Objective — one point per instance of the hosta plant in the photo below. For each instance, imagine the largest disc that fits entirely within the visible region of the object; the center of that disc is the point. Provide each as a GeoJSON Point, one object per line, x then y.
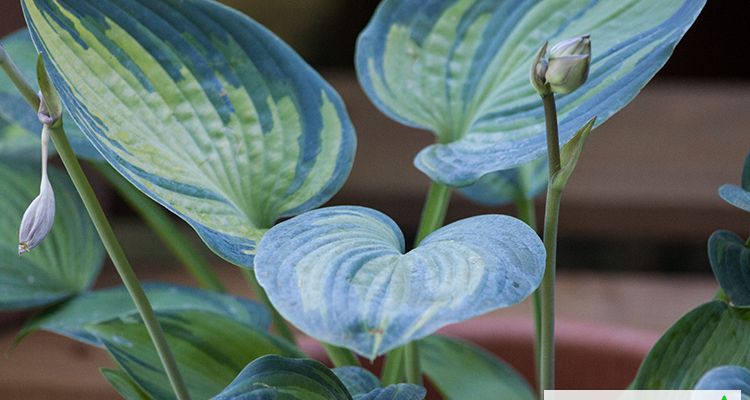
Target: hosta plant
{"type": "Point", "coordinates": [191, 107]}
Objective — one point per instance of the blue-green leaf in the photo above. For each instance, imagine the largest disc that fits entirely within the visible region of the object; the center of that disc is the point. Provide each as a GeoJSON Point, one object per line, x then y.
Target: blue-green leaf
{"type": "Point", "coordinates": [710, 336]}
{"type": "Point", "coordinates": [481, 375]}
{"type": "Point", "coordinates": [274, 377]}
{"type": "Point", "coordinates": [363, 385]}
{"type": "Point", "coordinates": [460, 68]}
{"type": "Point", "coordinates": [71, 318]}
{"type": "Point", "coordinates": [511, 185]}
{"type": "Point", "coordinates": [65, 263]}
{"type": "Point", "coordinates": [124, 385]}
{"type": "Point", "coordinates": [730, 261]}
{"type": "Point", "coordinates": [340, 275]}
{"type": "Point", "coordinates": [210, 350]}
{"type": "Point", "coordinates": [201, 108]}
{"type": "Point", "coordinates": [13, 107]}
{"type": "Point", "coordinates": [739, 196]}
{"type": "Point", "coordinates": [18, 143]}
{"type": "Point", "coordinates": [727, 377]}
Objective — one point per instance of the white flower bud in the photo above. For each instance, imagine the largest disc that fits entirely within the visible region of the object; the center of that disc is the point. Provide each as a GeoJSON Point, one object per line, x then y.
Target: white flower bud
{"type": "Point", "coordinates": [568, 64]}
{"type": "Point", "coordinates": [38, 218]}
{"type": "Point", "coordinates": [538, 70]}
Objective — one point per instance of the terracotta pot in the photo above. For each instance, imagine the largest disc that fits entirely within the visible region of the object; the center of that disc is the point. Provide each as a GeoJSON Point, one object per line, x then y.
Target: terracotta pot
{"type": "Point", "coordinates": [589, 356]}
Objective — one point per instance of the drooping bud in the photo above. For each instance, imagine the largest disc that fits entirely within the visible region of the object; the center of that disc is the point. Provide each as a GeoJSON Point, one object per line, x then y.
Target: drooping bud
{"type": "Point", "coordinates": [39, 216]}
{"type": "Point", "coordinates": [568, 64]}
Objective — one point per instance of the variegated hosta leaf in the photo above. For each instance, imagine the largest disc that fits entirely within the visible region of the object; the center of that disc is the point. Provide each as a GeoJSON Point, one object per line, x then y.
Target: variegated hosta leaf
{"type": "Point", "coordinates": [71, 318]}
{"type": "Point", "coordinates": [13, 107]}
{"type": "Point", "coordinates": [210, 350]}
{"type": "Point", "coordinates": [201, 108]}
{"type": "Point", "coordinates": [340, 275]}
{"type": "Point", "coordinates": [69, 258]}
{"type": "Point", "coordinates": [727, 377]}
{"type": "Point", "coordinates": [274, 377]}
{"type": "Point", "coordinates": [739, 196]}
{"type": "Point", "coordinates": [511, 185]}
{"type": "Point", "coordinates": [460, 68]}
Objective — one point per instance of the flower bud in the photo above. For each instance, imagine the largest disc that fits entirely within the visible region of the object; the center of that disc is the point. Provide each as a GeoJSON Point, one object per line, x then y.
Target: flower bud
{"type": "Point", "coordinates": [568, 64]}
{"type": "Point", "coordinates": [38, 218]}
{"type": "Point", "coordinates": [538, 70]}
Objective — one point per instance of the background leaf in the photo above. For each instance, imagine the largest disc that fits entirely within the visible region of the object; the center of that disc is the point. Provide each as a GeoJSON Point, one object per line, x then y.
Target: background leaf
{"type": "Point", "coordinates": [124, 385]}
{"type": "Point", "coordinates": [481, 375]}
{"type": "Point", "coordinates": [459, 68]}
{"type": "Point", "coordinates": [730, 261]}
{"type": "Point", "coordinates": [728, 377]}
{"type": "Point", "coordinates": [358, 381]}
{"type": "Point", "coordinates": [340, 275]}
{"type": "Point", "coordinates": [210, 350]}
{"type": "Point", "coordinates": [508, 186]}
{"type": "Point", "coordinates": [711, 335]}
{"type": "Point", "coordinates": [274, 377]}
{"type": "Point", "coordinates": [739, 196]}
{"type": "Point", "coordinates": [18, 143]}
{"type": "Point", "coordinates": [65, 263]}
{"type": "Point", "coordinates": [71, 318]}
{"type": "Point", "coordinates": [201, 108]}
{"type": "Point", "coordinates": [14, 109]}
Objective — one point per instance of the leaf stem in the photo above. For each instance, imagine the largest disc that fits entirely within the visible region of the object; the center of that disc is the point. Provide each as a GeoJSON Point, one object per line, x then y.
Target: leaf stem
{"type": "Point", "coordinates": [393, 367]}
{"type": "Point", "coordinates": [339, 356]}
{"type": "Point", "coordinates": [169, 233]}
{"type": "Point", "coordinates": [15, 75]}
{"type": "Point", "coordinates": [119, 260]}
{"type": "Point", "coordinates": [551, 218]}
{"type": "Point", "coordinates": [527, 213]}
{"type": "Point", "coordinates": [279, 323]}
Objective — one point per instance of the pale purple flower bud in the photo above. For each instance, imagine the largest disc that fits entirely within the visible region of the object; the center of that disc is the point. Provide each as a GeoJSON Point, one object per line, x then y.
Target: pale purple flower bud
{"type": "Point", "coordinates": [39, 216]}
{"type": "Point", "coordinates": [568, 64]}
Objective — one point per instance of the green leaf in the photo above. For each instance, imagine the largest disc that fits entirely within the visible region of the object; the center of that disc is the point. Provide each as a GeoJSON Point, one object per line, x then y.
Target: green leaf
{"type": "Point", "coordinates": [710, 336]}
{"type": "Point", "coordinates": [49, 94]}
{"type": "Point", "coordinates": [71, 318]}
{"type": "Point", "coordinates": [199, 107]}
{"type": "Point", "coordinates": [124, 385]}
{"type": "Point", "coordinates": [14, 109]}
{"type": "Point", "coordinates": [17, 142]}
{"type": "Point", "coordinates": [727, 377]}
{"type": "Point", "coordinates": [730, 261]}
{"type": "Point", "coordinates": [570, 153]}
{"type": "Point", "coordinates": [508, 186]}
{"type": "Point", "coordinates": [481, 375]}
{"type": "Point", "coordinates": [341, 275]}
{"type": "Point", "coordinates": [65, 263]}
{"type": "Point", "coordinates": [274, 377]}
{"type": "Point", "coordinates": [460, 68]}
{"type": "Point", "coordinates": [210, 350]}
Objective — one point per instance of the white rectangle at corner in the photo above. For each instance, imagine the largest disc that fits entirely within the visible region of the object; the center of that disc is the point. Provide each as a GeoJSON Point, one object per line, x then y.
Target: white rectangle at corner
{"type": "Point", "coordinates": [642, 395]}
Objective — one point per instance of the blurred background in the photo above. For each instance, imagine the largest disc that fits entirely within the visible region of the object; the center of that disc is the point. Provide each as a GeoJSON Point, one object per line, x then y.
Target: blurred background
{"type": "Point", "coordinates": [638, 211]}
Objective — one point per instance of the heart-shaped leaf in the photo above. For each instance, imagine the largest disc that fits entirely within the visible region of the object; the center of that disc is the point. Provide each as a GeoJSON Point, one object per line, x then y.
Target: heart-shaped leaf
{"type": "Point", "coordinates": [460, 68]}
{"type": "Point", "coordinates": [511, 185]}
{"type": "Point", "coordinates": [209, 348]}
{"type": "Point", "coordinates": [363, 385]}
{"type": "Point", "coordinates": [71, 318]}
{"type": "Point", "coordinates": [13, 107]}
{"type": "Point", "coordinates": [481, 376]}
{"type": "Point", "coordinates": [710, 336]}
{"type": "Point", "coordinates": [201, 108]}
{"type": "Point", "coordinates": [340, 275]}
{"type": "Point", "coordinates": [739, 196]}
{"type": "Point", "coordinates": [68, 259]}
{"type": "Point", "coordinates": [727, 377]}
{"type": "Point", "coordinates": [730, 261]}
{"type": "Point", "coordinates": [274, 377]}
{"type": "Point", "coordinates": [124, 385]}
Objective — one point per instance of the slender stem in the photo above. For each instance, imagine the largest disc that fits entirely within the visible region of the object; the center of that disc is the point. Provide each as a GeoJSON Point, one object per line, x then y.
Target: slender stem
{"type": "Point", "coordinates": [15, 75]}
{"type": "Point", "coordinates": [169, 233]}
{"type": "Point", "coordinates": [547, 288]}
{"type": "Point", "coordinates": [339, 356]}
{"type": "Point", "coordinates": [412, 364]}
{"type": "Point", "coordinates": [278, 321]}
{"type": "Point", "coordinates": [121, 263]}
{"type": "Point", "coordinates": [393, 367]}
{"type": "Point", "coordinates": [434, 210]}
